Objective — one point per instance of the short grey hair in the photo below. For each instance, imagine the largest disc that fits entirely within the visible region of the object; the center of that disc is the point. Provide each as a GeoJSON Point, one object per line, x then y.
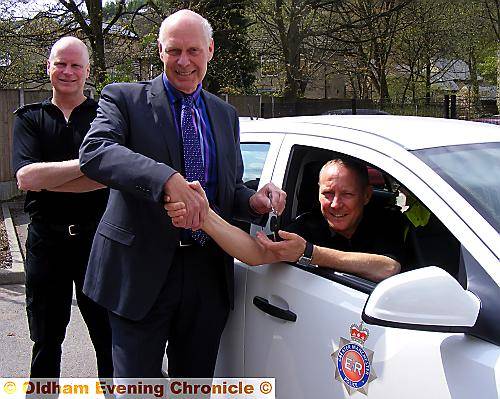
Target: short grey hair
{"type": "Point", "coordinates": [352, 164]}
{"type": "Point", "coordinates": [207, 28]}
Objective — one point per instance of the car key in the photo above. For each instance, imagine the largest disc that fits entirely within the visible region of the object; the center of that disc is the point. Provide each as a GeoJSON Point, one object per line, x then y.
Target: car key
{"type": "Point", "coordinates": [274, 228]}
{"type": "Point", "coordinates": [273, 223]}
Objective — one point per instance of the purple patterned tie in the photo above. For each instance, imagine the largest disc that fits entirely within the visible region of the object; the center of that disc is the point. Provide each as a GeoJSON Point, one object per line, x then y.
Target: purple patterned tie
{"type": "Point", "coordinates": [193, 161]}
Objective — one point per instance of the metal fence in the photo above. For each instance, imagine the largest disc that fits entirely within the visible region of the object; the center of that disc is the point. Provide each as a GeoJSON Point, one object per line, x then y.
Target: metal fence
{"type": "Point", "coordinates": [420, 108]}
{"type": "Point", "coordinates": [274, 107]}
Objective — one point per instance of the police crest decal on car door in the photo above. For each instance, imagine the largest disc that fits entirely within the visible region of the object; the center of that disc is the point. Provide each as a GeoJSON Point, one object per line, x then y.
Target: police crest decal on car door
{"type": "Point", "coordinates": [353, 361]}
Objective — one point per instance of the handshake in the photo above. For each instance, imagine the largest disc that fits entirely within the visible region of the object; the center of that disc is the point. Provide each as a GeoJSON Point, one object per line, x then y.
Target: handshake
{"type": "Point", "coordinates": [178, 211]}
{"type": "Point", "coordinates": [187, 204]}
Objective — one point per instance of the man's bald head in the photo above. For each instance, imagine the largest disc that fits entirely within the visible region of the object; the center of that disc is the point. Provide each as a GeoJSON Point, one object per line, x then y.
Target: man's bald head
{"type": "Point", "coordinates": [185, 15]}
{"type": "Point", "coordinates": [69, 41]}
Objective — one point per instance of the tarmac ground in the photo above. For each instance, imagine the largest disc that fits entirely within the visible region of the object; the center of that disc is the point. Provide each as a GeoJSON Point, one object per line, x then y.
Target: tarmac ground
{"type": "Point", "coordinates": [78, 359]}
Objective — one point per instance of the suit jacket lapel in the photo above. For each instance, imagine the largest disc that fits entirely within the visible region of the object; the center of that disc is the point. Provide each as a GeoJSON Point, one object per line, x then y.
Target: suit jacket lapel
{"type": "Point", "coordinates": [221, 137]}
{"type": "Point", "coordinates": [164, 120]}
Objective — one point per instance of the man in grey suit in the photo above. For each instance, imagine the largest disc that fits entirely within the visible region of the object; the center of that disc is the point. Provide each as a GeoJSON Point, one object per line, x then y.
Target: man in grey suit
{"type": "Point", "coordinates": [159, 282]}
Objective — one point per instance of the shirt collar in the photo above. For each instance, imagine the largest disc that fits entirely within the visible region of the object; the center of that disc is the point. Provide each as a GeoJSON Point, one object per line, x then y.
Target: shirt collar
{"type": "Point", "coordinates": [88, 102]}
{"type": "Point", "coordinates": [175, 95]}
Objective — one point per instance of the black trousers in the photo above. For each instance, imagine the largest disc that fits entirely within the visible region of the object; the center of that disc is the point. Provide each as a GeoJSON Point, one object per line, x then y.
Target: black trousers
{"type": "Point", "coordinates": [54, 261]}
{"type": "Point", "coordinates": [190, 313]}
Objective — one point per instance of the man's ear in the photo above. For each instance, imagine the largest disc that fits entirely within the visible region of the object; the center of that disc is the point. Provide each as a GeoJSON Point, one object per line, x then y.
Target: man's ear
{"type": "Point", "coordinates": [48, 67]}
{"type": "Point", "coordinates": [160, 50]}
{"type": "Point", "coordinates": [368, 193]}
{"type": "Point", "coordinates": [211, 48]}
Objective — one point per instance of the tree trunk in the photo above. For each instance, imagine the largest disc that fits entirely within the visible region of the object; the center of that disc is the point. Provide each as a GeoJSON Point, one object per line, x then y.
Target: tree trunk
{"type": "Point", "coordinates": [498, 77]}
{"type": "Point", "coordinates": [474, 94]}
{"type": "Point", "coordinates": [94, 8]}
{"type": "Point", "coordinates": [385, 98]}
{"type": "Point", "coordinates": [289, 44]}
{"type": "Point", "coordinates": [428, 83]}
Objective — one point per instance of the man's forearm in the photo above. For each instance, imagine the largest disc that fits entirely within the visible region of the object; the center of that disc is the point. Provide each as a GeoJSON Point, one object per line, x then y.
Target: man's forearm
{"type": "Point", "coordinates": [47, 175]}
{"type": "Point", "coordinates": [236, 242]}
{"type": "Point", "coordinates": [370, 266]}
{"type": "Point", "coordinates": [81, 184]}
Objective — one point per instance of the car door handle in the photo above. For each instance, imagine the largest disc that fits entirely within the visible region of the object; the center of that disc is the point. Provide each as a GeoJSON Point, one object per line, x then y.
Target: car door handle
{"type": "Point", "coordinates": [264, 305]}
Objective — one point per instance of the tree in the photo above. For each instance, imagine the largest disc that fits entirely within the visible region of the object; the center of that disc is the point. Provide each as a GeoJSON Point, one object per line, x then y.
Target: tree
{"type": "Point", "coordinates": [354, 36]}
{"type": "Point", "coordinates": [288, 31]}
{"type": "Point", "coordinates": [84, 18]}
{"type": "Point", "coordinates": [23, 45]}
{"type": "Point", "coordinates": [368, 29]}
{"type": "Point", "coordinates": [426, 37]}
{"type": "Point", "coordinates": [233, 66]}
{"type": "Point", "coordinates": [472, 34]}
{"type": "Point", "coordinates": [493, 11]}
{"type": "Point", "coordinates": [91, 25]}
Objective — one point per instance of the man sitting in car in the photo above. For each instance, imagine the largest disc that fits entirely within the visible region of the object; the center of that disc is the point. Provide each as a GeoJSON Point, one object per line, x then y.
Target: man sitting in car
{"type": "Point", "coordinates": [347, 235]}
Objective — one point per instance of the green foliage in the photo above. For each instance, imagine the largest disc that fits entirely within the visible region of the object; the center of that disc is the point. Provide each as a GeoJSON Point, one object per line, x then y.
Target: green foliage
{"type": "Point", "coordinates": [123, 72]}
{"type": "Point", "coordinates": [24, 49]}
{"type": "Point", "coordinates": [109, 9]}
{"type": "Point", "coordinates": [232, 66]}
{"type": "Point", "coordinates": [487, 66]}
{"type": "Point", "coordinates": [488, 69]}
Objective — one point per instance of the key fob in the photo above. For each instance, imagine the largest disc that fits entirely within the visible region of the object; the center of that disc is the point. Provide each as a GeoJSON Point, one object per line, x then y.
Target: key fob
{"type": "Point", "coordinates": [274, 228]}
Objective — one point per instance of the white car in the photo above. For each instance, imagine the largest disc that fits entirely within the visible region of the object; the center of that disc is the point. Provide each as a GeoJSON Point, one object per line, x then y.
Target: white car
{"type": "Point", "coordinates": [432, 331]}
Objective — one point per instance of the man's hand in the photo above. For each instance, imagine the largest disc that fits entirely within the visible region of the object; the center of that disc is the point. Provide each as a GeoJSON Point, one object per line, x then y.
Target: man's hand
{"type": "Point", "coordinates": [268, 198]}
{"type": "Point", "coordinates": [289, 250]}
{"type": "Point", "coordinates": [176, 190]}
{"type": "Point", "coordinates": [176, 211]}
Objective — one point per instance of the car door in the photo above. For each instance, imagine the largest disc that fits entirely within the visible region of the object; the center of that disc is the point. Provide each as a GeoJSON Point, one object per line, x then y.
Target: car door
{"type": "Point", "coordinates": [297, 318]}
{"type": "Point", "coordinates": [259, 152]}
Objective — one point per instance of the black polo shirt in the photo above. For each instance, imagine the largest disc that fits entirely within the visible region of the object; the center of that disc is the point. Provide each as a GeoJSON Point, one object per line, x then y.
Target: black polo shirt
{"type": "Point", "coordinates": [380, 232]}
{"type": "Point", "coordinates": [42, 134]}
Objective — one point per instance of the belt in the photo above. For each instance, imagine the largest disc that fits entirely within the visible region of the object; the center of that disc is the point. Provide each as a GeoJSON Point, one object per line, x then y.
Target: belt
{"type": "Point", "coordinates": [187, 242]}
{"type": "Point", "coordinates": [71, 229]}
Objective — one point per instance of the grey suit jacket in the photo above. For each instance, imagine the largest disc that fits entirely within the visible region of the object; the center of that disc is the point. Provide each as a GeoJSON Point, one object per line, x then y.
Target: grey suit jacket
{"type": "Point", "coordinates": [132, 147]}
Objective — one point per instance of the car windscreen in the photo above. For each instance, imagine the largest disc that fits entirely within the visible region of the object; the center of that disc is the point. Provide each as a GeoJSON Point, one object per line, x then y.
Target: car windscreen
{"type": "Point", "coordinates": [473, 170]}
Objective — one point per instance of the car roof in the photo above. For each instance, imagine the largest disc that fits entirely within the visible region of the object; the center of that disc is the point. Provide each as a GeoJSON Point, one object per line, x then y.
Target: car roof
{"type": "Point", "coordinates": [411, 132]}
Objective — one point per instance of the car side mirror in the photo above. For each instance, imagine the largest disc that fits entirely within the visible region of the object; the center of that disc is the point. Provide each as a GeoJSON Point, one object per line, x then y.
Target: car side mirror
{"type": "Point", "coordinates": [424, 299]}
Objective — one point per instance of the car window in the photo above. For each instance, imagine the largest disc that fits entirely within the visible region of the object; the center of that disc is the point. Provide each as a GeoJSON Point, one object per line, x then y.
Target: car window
{"type": "Point", "coordinates": [425, 240]}
{"type": "Point", "coordinates": [473, 171]}
{"type": "Point", "coordinates": [254, 157]}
